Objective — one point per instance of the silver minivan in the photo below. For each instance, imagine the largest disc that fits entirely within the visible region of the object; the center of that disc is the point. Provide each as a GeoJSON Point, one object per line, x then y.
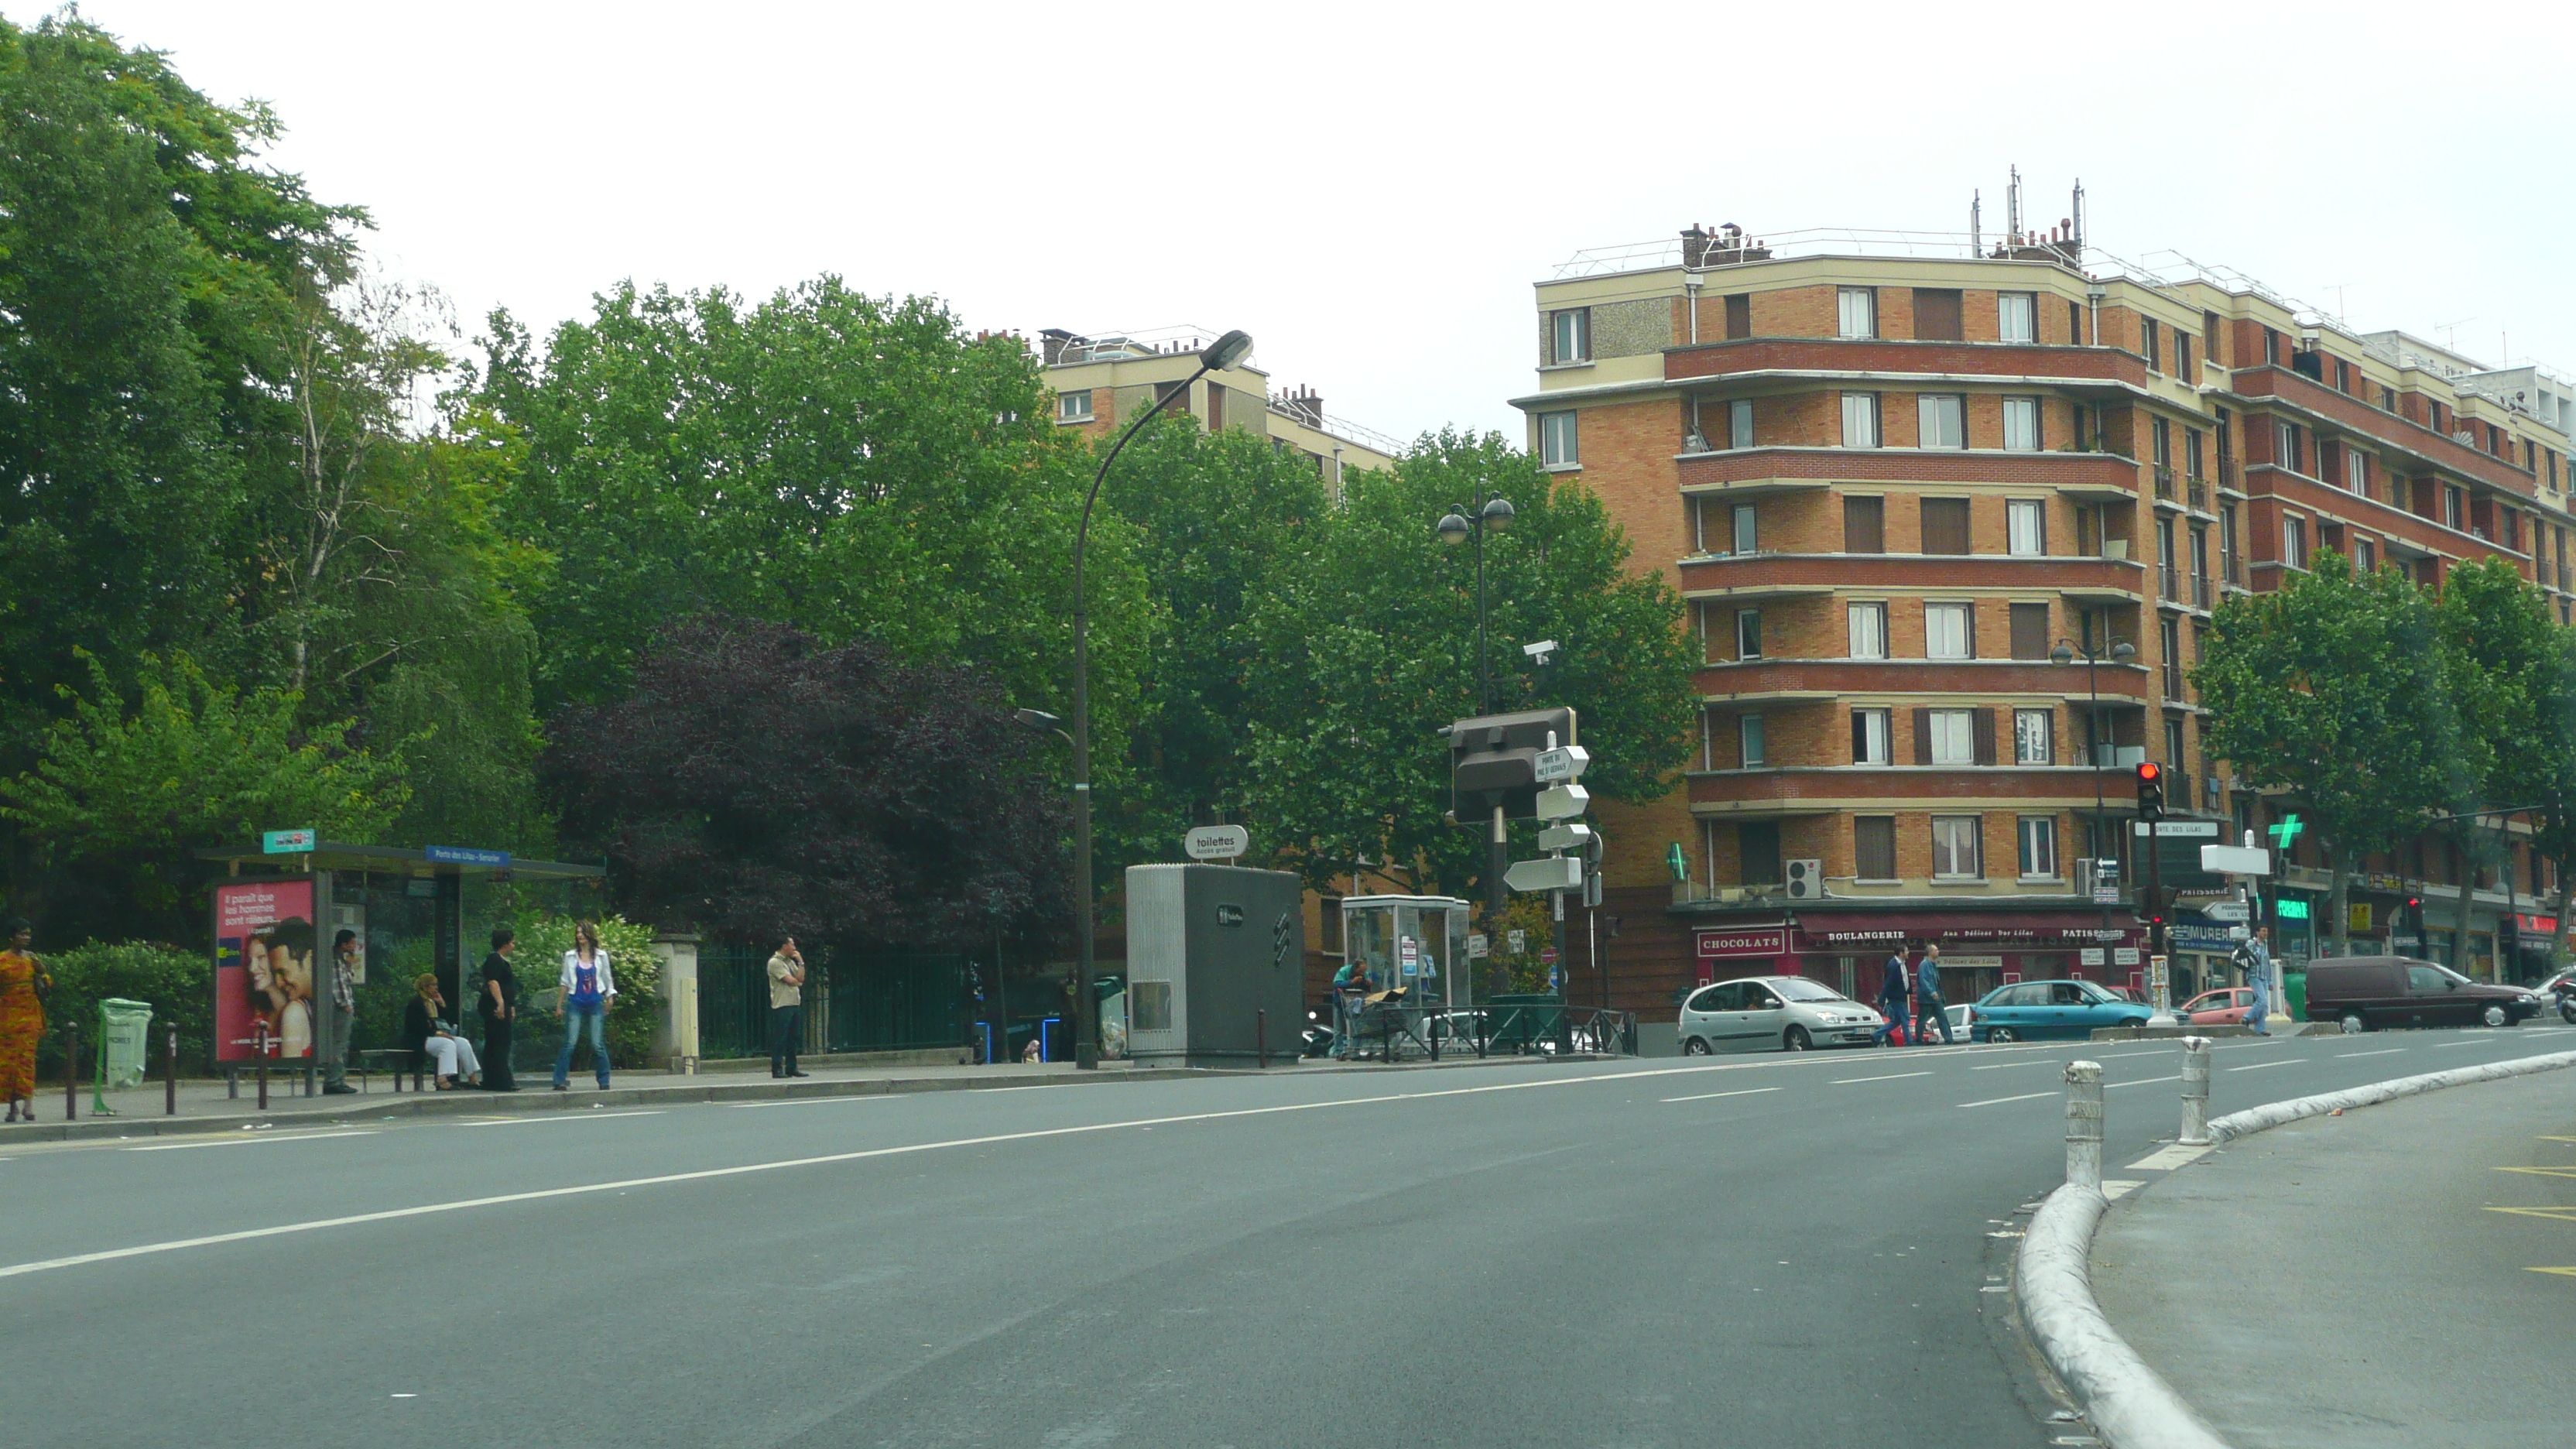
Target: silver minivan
{"type": "Point", "coordinates": [1773, 1013]}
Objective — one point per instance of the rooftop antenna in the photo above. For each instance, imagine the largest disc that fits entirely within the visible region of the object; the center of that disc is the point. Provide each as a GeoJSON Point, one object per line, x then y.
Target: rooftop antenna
{"type": "Point", "coordinates": [2451, 332]}
{"type": "Point", "coordinates": [2012, 208]}
{"type": "Point", "coordinates": [2078, 238]}
{"type": "Point", "coordinates": [1976, 225]}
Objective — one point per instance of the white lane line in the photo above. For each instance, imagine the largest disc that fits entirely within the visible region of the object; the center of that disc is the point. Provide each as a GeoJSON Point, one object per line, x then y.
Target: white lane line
{"type": "Point", "coordinates": [1999, 1066]}
{"type": "Point", "coordinates": [838, 1101]}
{"type": "Point", "coordinates": [2382, 1052]}
{"type": "Point", "coordinates": [1739, 1092]}
{"type": "Point", "coordinates": [141, 1250]}
{"type": "Point", "coordinates": [561, 1117]}
{"type": "Point", "coordinates": [2123, 1056]}
{"type": "Point", "coordinates": [2147, 1081]}
{"type": "Point", "coordinates": [1999, 1101]}
{"type": "Point", "coordinates": [2258, 1066]}
{"type": "Point", "coordinates": [246, 1139]}
{"type": "Point", "coordinates": [2473, 1041]}
{"type": "Point", "coordinates": [1892, 1077]}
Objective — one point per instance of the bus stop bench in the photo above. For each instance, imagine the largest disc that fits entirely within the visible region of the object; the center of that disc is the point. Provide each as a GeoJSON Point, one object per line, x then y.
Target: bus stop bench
{"type": "Point", "coordinates": [391, 1060]}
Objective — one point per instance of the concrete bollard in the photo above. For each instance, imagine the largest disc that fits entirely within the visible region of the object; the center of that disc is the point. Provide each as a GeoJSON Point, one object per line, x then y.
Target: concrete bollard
{"type": "Point", "coordinates": [2084, 1124]}
{"type": "Point", "coordinates": [2195, 1092]}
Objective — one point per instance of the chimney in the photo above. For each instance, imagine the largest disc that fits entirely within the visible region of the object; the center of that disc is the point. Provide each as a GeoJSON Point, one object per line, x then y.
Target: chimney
{"type": "Point", "coordinates": [1052, 343]}
{"type": "Point", "coordinates": [1694, 246]}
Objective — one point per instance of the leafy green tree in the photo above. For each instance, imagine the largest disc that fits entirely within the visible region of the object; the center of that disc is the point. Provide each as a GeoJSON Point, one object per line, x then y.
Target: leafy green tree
{"type": "Point", "coordinates": [2332, 689]}
{"type": "Point", "coordinates": [1372, 648]}
{"type": "Point", "coordinates": [2497, 646]}
{"type": "Point", "coordinates": [850, 465]}
{"type": "Point", "coordinates": [125, 797]}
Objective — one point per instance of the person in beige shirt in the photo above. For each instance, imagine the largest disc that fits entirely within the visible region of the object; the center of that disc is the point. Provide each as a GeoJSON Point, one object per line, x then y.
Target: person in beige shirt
{"type": "Point", "coordinates": [786, 1008]}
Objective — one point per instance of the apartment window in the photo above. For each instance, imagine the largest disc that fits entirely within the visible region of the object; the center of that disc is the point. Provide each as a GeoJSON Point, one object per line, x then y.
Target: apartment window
{"type": "Point", "coordinates": [2038, 847]}
{"type": "Point", "coordinates": [1946, 633]}
{"type": "Point", "coordinates": [2182, 354]}
{"type": "Point", "coordinates": [1860, 420]}
{"type": "Point", "coordinates": [1739, 316]}
{"type": "Point", "coordinates": [2160, 438]}
{"type": "Point", "coordinates": [1573, 335]}
{"type": "Point", "coordinates": [1953, 735]}
{"type": "Point", "coordinates": [2034, 737]}
{"type": "Point", "coordinates": [2191, 453]}
{"type": "Point", "coordinates": [1864, 525]}
{"type": "Point", "coordinates": [2209, 335]}
{"type": "Point", "coordinates": [1945, 526]}
{"type": "Point", "coordinates": [2366, 554]}
{"type": "Point", "coordinates": [2356, 472]}
{"type": "Point", "coordinates": [1936, 315]}
{"type": "Point", "coordinates": [1073, 406]}
{"type": "Point", "coordinates": [1874, 847]}
{"type": "Point", "coordinates": [2173, 744]}
{"type": "Point", "coordinates": [2294, 542]}
{"type": "Point", "coordinates": [2271, 347]}
{"type": "Point", "coordinates": [1955, 848]}
{"type": "Point", "coordinates": [1859, 311]}
{"type": "Point", "coordinates": [2016, 316]}
{"type": "Point", "coordinates": [1747, 537]}
{"type": "Point", "coordinates": [1748, 741]}
{"type": "Point", "coordinates": [2029, 631]}
{"type": "Point", "coordinates": [2388, 399]}
{"type": "Point", "coordinates": [2021, 424]}
{"type": "Point", "coordinates": [1557, 447]}
{"type": "Point", "coordinates": [1748, 633]}
{"type": "Point", "coordinates": [1739, 423]}
{"type": "Point", "coordinates": [1941, 421]}
{"type": "Point", "coordinates": [1757, 852]}
{"type": "Point", "coordinates": [1869, 737]}
{"type": "Point", "coordinates": [2147, 344]}
{"type": "Point", "coordinates": [1868, 624]}
{"type": "Point", "coordinates": [2343, 376]}
{"type": "Point", "coordinates": [2455, 506]}
{"type": "Point", "coordinates": [2285, 446]}
{"type": "Point", "coordinates": [2026, 526]}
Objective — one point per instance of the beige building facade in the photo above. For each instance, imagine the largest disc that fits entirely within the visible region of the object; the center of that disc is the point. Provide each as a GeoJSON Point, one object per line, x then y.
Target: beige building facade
{"type": "Point", "coordinates": [1103, 382]}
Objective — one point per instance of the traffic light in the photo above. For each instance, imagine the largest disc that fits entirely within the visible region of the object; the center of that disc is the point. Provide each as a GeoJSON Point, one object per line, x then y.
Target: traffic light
{"type": "Point", "coordinates": [1493, 760]}
{"type": "Point", "coordinates": [2151, 790]}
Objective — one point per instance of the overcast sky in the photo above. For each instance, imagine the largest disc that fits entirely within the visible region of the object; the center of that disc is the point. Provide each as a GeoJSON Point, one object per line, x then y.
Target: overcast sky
{"type": "Point", "coordinates": [1371, 189]}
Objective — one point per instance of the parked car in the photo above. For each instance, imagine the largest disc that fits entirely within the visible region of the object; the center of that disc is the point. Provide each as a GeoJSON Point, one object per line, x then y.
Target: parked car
{"type": "Point", "coordinates": [1961, 1018]}
{"type": "Point", "coordinates": [2365, 993]}
{"type": "Point", "coordinates": [2040, 1010]}
{"type": "Point", "coordinates": [2225, 1007]}
{"type": "Point", "coordinates": [1772, 1013]}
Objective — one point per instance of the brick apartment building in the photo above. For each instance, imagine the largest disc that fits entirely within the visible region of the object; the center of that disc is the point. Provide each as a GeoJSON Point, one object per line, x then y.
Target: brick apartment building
{"type": "Point", "coordinates": [1101, 381]}
{"type": "Point", "coordinates": [1889, 486]}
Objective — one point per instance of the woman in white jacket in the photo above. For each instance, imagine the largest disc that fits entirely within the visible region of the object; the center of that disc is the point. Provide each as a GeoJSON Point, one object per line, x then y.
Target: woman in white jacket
{"type": "Point", "coordinates": [587, 988]}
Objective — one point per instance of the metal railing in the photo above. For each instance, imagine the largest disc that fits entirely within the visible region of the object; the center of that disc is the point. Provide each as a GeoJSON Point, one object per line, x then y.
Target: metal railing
{"type": "Point", "coordinates": [2200, 591]}
{"type": "Point", "coordinates": [2164, 483]}
{"type": "Point", "coordinates": [854, 1001]}
{"type": "Point", "coordinates": [2173, 682]}
{"type": "Point", "coordinates": [2230, 475]}
{"type": "Point", "coordinates": [2196, 494]}
{"type": "Point", "coordinates": [2231, 567]}
{"type": "Point", "coordinates": [1504, 1028]}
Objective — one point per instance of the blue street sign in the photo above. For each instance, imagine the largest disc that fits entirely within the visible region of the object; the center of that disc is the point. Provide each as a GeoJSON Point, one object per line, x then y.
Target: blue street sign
{"type": "Point", "coordinates": [467, 855]}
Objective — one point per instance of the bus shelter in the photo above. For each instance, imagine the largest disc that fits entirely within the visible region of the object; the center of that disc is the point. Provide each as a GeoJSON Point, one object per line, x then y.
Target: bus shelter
{"type": "Point", "coordinates": [277, 914]}
{"type": "Point", "coordinates": [1418, 943]}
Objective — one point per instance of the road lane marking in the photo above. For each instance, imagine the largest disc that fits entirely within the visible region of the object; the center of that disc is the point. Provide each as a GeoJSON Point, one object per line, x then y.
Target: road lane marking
{"type": "Point", "coordinates": [837, 1101]}
{"type": "Point", "coordinates": [2146, 1081]}
{"type": "Point", "coordinates": [140, 1250]}
{"type": "Point", "coordinates": [2258, 1066]}
{"type": "Point", "coordinates": [2558, 1214]}
{"type": "Point", "coordinates": [2562, 1272]}
{"type": "Point", "coordinates": [1739, 1092]}
{"type": "Point", "coordinates": [1893, 1077]}
{"type": "Point", "coordinates": [1999, 1101]}
{"type": "Point", "coordinates": [1999, 1066]}
{"type": "Point", "coordinates": [2171, 1156]}
{"type": "Point", "coordinates": [2122, 1056]}
{"type": "Point", "coordinates": [2542, 1171]}
{"type": "Point", "coordinates": [246, 1139]}
{"type": "Point", "coordinates": [561, 1117]}
{"type": "Point", "coordinates": [2382, 1052]}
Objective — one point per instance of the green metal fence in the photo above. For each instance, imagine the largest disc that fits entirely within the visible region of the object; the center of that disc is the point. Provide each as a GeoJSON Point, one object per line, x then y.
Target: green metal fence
{"type": "Point", "coordinates": [855, 1001]}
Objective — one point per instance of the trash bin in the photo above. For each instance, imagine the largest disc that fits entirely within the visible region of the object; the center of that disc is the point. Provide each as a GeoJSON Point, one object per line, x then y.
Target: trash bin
{"type": "Point", "coordinates": [2294, 994]}
{"type": "Point", "coordinates": [124, 1048]}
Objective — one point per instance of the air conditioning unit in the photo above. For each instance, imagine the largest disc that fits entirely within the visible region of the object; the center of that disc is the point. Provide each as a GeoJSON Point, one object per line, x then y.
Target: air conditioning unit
{"type": "Point", "coordinates": [1806, 880]}
{"type": "Point", "coordinates": [1730, 894]}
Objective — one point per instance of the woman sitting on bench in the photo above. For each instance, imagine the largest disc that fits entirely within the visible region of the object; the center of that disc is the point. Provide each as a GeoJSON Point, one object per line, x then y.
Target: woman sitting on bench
{"type": "Point", "coordinates": [435, 1040]}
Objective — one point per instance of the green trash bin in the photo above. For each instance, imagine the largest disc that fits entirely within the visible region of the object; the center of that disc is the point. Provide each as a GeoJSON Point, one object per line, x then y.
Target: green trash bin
{"type": "Point", "coordinates": [124, 1048]}
{"type": "Point", "coordinates": [2294, 994]}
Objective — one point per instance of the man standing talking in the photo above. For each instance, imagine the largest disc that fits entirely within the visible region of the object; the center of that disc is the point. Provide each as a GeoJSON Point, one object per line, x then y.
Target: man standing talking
{"type": "Point", "coordinates": [1927, 997]}
{"type": "Point", "coordinates": [337, 1010]}
{"type": "Point", "coordinates": [786, 1008]}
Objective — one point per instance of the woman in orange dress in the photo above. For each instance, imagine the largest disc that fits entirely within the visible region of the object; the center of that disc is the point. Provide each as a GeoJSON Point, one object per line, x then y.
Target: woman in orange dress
{"type": "Point", "coordinates": [22, 1021]}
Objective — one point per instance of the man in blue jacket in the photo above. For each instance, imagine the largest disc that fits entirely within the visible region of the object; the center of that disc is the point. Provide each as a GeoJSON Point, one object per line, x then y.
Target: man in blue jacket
{"type": "Point", "coordinates": [1927, 997]}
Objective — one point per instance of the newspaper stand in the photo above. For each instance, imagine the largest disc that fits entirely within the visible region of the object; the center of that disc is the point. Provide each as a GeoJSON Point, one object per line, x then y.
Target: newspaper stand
{"type": "Point", "coordinates": [124, 1046]}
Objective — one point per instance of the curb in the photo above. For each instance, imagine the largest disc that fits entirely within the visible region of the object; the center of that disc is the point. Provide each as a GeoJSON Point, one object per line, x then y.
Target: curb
{"type": "Point", "coordinates": [2127, 1401]}
{"type": "Point", "coordinates": [2130, 1403]}
{"type": "Point", "coordinates": [2274, 1114]}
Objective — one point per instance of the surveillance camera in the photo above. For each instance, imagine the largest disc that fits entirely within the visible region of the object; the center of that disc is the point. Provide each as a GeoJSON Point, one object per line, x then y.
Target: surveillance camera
{"type": "Point", "coordinates": [1539, 651]}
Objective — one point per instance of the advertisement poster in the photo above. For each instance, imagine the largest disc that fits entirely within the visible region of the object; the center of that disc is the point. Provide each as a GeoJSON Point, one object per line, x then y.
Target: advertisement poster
{"type": "Point", "coordinates": [264, 950]}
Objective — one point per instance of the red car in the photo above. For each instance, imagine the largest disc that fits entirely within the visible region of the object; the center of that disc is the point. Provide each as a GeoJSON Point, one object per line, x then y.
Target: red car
{"type": "Point", "coordinates": [2217, 1008]}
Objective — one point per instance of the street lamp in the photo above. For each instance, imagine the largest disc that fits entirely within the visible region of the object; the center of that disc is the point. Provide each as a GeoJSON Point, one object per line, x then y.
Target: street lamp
{"type": "Point", "coordinates": [1496, 515]}
{"type": "Point", "coordinates": [1223, 353]}
{"type": "Point", "coordinates": [2121, 652]}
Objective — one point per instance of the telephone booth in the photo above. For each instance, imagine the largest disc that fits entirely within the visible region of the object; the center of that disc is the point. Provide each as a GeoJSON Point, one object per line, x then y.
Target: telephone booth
{"type": "Point", "coordinates": [1416, 942]}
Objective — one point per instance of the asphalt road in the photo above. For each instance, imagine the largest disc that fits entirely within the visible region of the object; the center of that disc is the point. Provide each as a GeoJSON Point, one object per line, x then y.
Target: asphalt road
{"type": "Point", "coordinates": [1750, 1250]}
{"type": "Point", "coordinates": [2416, 1263]}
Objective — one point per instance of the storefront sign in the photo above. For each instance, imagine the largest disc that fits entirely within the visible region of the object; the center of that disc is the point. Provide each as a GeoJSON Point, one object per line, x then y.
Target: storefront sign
{"type": "Point", "coordinates": [2536, 925]}
{"type": "Point", "coordinates": [1757, 941]}
{"type": "Point", "coordinates": [2124, 955]}
{"type": "Point", "coordinates": [1855, 932]}
{"type": "Point", "coordinates": [2090, 956]}
{"type": "Point", "coordinates": [2357, 916]}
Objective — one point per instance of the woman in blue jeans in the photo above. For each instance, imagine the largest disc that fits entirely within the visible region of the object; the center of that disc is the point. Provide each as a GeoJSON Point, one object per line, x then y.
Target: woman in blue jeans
{"type": "Point", "coordinates": [587, 988]}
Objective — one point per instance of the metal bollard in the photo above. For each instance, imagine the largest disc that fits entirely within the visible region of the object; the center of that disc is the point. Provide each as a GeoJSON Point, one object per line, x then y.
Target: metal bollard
{"type": "Point", "coordinates": [1261, 1035]}
{"type": "Point", "coordinates": [170, 1079]}
{"type": "Point", "coordinates": [2084, 1124]}
{"type": "Point", "coordinates": [71, 1069]}
{"type": "Point", "coordinates": [2195, 1091]}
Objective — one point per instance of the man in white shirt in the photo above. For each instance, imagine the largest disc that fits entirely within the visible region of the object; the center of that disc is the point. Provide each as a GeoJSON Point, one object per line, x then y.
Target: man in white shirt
{"type": "Point", "coordinates": [786, 1008]}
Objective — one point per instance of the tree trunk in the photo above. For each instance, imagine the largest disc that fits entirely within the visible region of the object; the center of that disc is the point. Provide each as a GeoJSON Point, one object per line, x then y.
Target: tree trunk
{"type": "Point", "coordinates": [2336, 915]}
{"type": "Point", "coordinates": [2464, 866]}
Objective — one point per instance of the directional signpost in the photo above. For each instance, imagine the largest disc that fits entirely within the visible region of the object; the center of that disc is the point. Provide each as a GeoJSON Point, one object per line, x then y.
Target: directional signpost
{"type": "Point", "coordinates": [1548, 873]}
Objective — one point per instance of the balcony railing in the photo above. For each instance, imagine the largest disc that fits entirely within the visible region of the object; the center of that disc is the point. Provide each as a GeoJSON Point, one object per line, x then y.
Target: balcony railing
{"type": "Point", "coordinates": [2169, 582]}
{"type": "Point", "coordinates": [2164, 483]}
{"type": "Point", "coordinates": [2230, 476]}
{"type": "Point", "coordinates": [2563, 576]}
{"type": "Point", "coordinates": [2231, 567]}
{"type": "Point", "coordinates": [2196, 494]}
{"type": "Point", "coordinates": [2200, 591]}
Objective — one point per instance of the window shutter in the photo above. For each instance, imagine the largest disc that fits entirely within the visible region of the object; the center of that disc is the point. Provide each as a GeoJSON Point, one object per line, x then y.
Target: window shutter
{"type": "Point", "coordinates": [1864, 525]}
{"type": "Point", "coordinates": [2029, 631]}
{"type": "Point", "coordinates": [2050, 730]}
{"type": "Point", "coordinates": [1971, 612]}
{"type": "Point", "coordinates": [1739, 316]}
{"type": "Point", "coordinates": [1936, 315]}
{"type": "Point", "coordinates": [1982, 727]}
{"type": "Point", "coordinates": [1923, 736]}
{"type": "Point", "coordinates": [1977, 833]}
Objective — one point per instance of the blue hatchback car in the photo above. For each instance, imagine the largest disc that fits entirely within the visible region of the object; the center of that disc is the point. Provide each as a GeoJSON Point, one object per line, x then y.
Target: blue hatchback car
{"type": "Point", "coordinates": [2041, 1010]}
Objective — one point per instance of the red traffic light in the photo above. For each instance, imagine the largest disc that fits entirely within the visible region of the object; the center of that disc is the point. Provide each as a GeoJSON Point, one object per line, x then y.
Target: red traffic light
{"type": "Point", "coordinates": [2148, 771]}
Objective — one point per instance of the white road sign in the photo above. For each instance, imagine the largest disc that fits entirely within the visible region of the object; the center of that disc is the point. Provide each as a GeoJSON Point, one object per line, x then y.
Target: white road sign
{"type": "Point", "coordinates": [1217, 842]}
{"type": "Point", "coordinates": [1551, 873]}
{"type": "Point", "coordinates": [1568, 763]}
{"type": "Point", "coordinates": [1563, 802]}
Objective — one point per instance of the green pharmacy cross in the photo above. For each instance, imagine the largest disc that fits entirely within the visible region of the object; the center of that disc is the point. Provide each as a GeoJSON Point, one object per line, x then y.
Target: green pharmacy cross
{"type": "Point", "coordinates": [2286, 832]}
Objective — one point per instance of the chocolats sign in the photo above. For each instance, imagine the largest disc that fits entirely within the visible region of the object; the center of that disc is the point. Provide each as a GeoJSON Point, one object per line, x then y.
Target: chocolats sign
{"type": "Point", "coordinates": [1759, 941]}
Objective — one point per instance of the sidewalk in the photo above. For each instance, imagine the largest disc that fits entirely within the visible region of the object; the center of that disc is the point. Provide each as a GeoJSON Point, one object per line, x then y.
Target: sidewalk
{"type": "Point", "coordinates": [204, 1106]}
{"type": "Point", "coordinates": [2364, 1280]}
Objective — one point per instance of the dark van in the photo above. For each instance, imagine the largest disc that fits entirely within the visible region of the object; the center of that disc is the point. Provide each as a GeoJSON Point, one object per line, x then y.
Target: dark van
{"type": "Point", "coordinates": [2365, 993]}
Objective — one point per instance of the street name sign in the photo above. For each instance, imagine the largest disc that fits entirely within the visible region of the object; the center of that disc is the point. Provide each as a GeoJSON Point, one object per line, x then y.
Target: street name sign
{"type": "Point", "coordinates": [1556, 766]}
{"type": "Point", "coordinates": [1549, 873]}
{"type": "Point", "coordinates": [286, 842]}
{"type": "Point", "coordinates": [1217, 842]}
{"type": "Point", "coordinates": [467, 855]}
